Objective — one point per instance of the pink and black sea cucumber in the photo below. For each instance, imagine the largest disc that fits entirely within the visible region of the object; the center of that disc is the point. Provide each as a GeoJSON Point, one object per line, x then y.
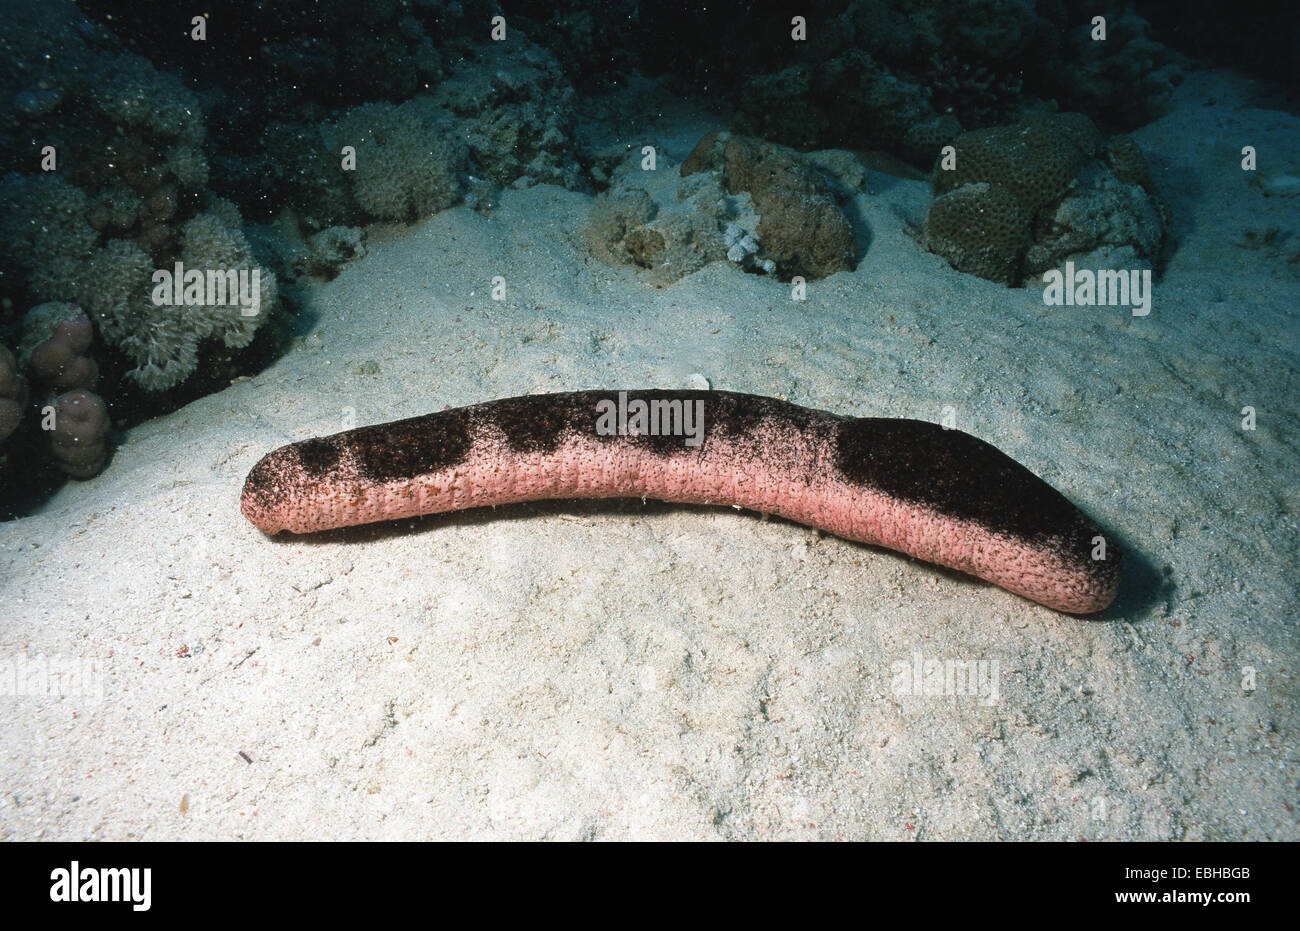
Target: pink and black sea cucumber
{"type": "Point", "coordinates": [937, 494]}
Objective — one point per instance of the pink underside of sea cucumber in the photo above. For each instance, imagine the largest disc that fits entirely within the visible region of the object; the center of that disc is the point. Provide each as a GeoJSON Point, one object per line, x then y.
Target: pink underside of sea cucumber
{"type": "Point", "coordinates": [781, 460]}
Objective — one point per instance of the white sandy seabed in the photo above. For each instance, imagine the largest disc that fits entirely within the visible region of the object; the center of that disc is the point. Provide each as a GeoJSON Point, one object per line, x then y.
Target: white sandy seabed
{"type": "Point", "coordinates": [620, 670]}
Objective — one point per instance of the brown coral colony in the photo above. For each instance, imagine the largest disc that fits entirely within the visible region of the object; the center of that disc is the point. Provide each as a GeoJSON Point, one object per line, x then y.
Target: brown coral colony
{"type": "Point", "coordinates": [1002, 197]}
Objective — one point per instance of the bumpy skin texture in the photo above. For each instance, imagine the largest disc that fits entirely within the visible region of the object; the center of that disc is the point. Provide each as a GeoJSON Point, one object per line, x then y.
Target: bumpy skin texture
{"type": "Point", "coordinates": [939, 495]}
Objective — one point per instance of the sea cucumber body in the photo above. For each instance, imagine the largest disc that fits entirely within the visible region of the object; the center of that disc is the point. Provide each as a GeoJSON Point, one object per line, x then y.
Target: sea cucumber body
{"type": "Point", "coordinates": [939, 495]}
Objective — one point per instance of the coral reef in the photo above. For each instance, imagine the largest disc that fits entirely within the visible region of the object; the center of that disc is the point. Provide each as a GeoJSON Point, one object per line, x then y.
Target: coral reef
{"type": "Point", "coordinates": [1130, 166]}
{"type": "Point", "coordinates": [126, 195]}
{"type": "Point", "coordinates": [1022, 199]}
{"type": "Point", "coordinates": [922, 141]}
{"type": "Point", "coordinates": [518, 114]}
{"type": "Point", "coordinates": [299, 257]}
{"type": "Point", "coordinates": [897, 74]}
{"type": "Point", "coordinates": [615, 230]}
{"type": "Point", "coordinates": [55, 351]}
{"type": "Point", "coordinates": [979, 228]}
{"type": "Point", "coordinates": [802, 229]}
{"type": "Point", "coordinates": [581, 34]}
{"type": "Point", "coordinates": [408, 165]}
{"type": "Point", "coordinates": [503, 116]}
{"type": "Point", "coordinates": [328, 250]}
{"type": "Point", "coordinates": [671, 240]}
{"type": "Point", "coordinates": [438, 115]}
{"type": "Point", "coordinates": [1127, 78]}
{"type": "Point", "coordinates": [55, 346]}
{"type": "Point", "coordinates": [79, 440]}
{"type": "Point", "coordinates": [59, 256]}
{"type": "Point", "coordinates": [764, 208]}
{"type": "Point", "coordinates": [1036, 160]}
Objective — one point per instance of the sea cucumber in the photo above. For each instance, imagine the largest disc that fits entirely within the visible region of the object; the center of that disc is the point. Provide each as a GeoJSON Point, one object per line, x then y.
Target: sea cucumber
{"type": "Point", "coordinates": [936, 494]}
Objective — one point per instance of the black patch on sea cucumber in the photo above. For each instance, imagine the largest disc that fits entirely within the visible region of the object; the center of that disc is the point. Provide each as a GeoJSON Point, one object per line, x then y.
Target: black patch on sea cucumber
{"type": "Point", "coordinates": [269, 481]}
{"type": "Point", "coordinates": [763, 426]}
{"type": "Point", "coordinates": [667, 445]}
{"type": "Point", "coordinates": [318, 456]}
{"type": "Point", "coordinates": [962, 476]}
{"type": "Point", "coordinates": [540, 422]}
{"type": "Point", "coordinates": [401, 450]}
{"type": "Point", "coordinates": [739, 415]}
{"type": "Point", "coordinates": [535, 423]}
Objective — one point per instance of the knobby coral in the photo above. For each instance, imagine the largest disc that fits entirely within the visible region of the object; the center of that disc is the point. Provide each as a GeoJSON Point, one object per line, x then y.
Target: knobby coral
{"type": "Point", "coordinates": [1017, 200]}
